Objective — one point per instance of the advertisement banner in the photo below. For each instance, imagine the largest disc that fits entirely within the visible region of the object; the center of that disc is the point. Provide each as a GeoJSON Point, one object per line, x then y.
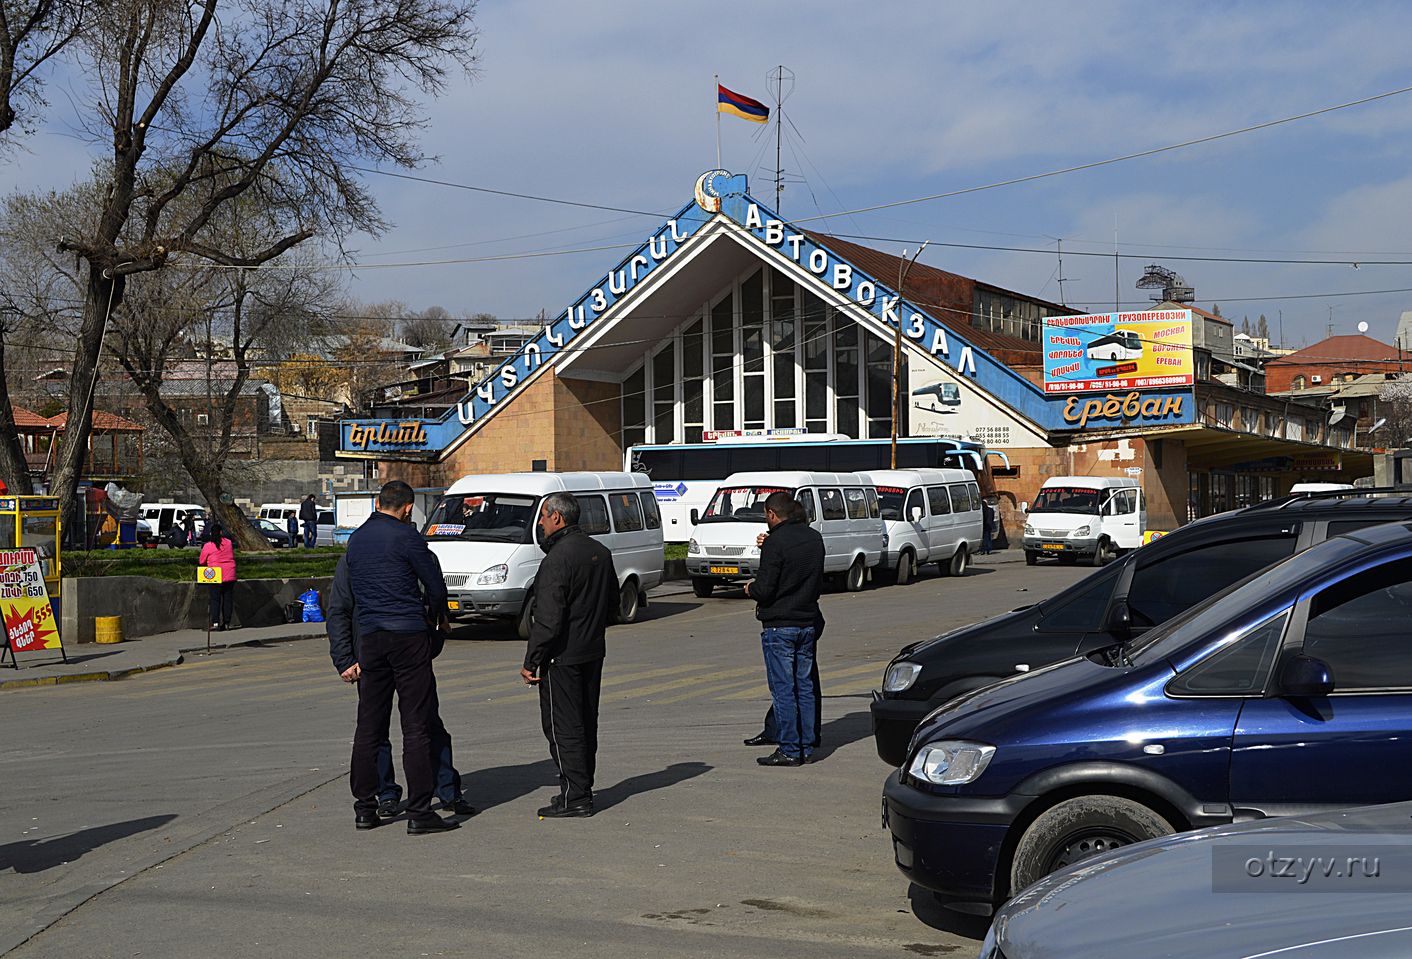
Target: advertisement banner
{"type": "Point", "coordinates": [24, 600]}
{"type": "Point", "coordinates": [1332, 460]}
{"type": "Point", "coordinates": [947, 406]}
{"type": "Point", "coordinates": [1118, 351]}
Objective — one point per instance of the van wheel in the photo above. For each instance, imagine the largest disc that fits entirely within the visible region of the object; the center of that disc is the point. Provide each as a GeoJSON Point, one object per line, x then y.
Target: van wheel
{"type": "Point", "coordinates": [702, 587]}
{"type": "Point", "coordinates": [526, 621]}
{"type": "Point", "coordinates": [1101, 554]}
{"type": "Point", "coordinates": [1031, 557]}
{"type": "Point", "coordinates": [627, 603]}
{"type": "Point", "coordinates": [906, 566]}
{"type": "Point", "coordinates": [854, 582]}
{"type": "Point", "coordinates": [1077, 829]}
{"type": "Point", "coordinates": [958, 563]}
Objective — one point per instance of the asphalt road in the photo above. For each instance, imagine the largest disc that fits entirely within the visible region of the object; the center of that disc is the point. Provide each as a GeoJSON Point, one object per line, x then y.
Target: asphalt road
{"type": "Point", "coordinates": [204, 809]}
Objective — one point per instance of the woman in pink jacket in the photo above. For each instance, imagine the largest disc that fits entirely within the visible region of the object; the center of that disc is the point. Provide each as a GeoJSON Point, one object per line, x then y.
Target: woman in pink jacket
{"type": "Point", "coordinates": [219, 551]}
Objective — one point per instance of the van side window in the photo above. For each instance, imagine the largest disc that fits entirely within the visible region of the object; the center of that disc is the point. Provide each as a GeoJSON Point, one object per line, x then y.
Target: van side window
{"type": "Point", "coordinates": [651, 510]}
{"type": "Point", "coordinates": [975, 492]}
{"type": "Point", "coordinates": [857, 503]}
{"type": "Point", "coordinates": [874, 509]}
{"type": "Point", "coordinates": [831, 504]}
{"type": "Point", "coordinates": [593, 514]}
{"type": "Point", "coordinates": [939, 501]}
{"type": "Point", "coordinates": [806, 498]}
{"type": "Point", "coordinates": [960, 499]}
{"type": "Point", "coordinates": [914, 502]}
{"type": "Point", "coordinates": [1125, 501]}
{"type": "Point", "coordinates": [627, 512]}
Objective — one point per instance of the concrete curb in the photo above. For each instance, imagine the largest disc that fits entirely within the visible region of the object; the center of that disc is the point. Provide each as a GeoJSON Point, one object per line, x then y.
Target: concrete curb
{"type": "Point", "coordinates": [268, 641]}
{"type": "Point", "coordinates": [102, 676]}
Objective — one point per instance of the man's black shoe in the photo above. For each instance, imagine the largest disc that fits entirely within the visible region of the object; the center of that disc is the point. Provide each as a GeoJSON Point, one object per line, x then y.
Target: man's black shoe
{"type": "Point", "coordinates": [459, 807]}
{"type": "Point", "coordinates": [558, 809]}
{"type": "Point", "coordinates": [423, 827]}
{"type": "Point", "coordinates": [778, 758]}
{"type": "Point", "coordinates": [760, 740]}
{"type": "Point", "coordinates": [388, 808]}
{"type": "Point", "coordinates": [366, 821]}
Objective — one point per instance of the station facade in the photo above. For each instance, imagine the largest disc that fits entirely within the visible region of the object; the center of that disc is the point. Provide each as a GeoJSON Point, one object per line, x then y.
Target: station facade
{"type": "Point", "coordinates": [729, 320]}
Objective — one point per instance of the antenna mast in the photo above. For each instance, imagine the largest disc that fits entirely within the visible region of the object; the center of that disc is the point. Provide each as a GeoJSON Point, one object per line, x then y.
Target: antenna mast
{"type": "Point", "coordinates": [781, 81]}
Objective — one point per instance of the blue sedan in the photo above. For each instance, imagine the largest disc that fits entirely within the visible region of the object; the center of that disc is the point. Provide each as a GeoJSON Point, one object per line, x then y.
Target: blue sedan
{"type": "Point", "coordinates": [1288, 693]}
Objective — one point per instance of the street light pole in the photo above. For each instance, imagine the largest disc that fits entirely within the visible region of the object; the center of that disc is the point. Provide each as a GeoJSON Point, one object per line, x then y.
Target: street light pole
{"type": "Point", "coordinates": [903, 269]}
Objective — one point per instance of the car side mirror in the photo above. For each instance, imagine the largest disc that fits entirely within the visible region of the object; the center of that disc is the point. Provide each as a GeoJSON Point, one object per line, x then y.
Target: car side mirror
{"type": "Point", "coordinates": [1120, 619]}
{"type": "Point", "coordinates": [1306, 676]}
{"type": "Point", "coordinates": [916, 514]}
{"type": "Point", "coordinates": [695, 517]}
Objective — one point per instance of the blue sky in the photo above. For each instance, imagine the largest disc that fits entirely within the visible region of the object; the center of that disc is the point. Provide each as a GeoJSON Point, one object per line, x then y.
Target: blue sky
{"type": "Point", "coordinates": [612, 103]}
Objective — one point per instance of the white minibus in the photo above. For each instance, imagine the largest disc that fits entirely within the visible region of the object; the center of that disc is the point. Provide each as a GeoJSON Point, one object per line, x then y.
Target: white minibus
{"type": "Point", "coordinates": [932, 516]}
{"type": "Point", "coordinates": [1093, 518]}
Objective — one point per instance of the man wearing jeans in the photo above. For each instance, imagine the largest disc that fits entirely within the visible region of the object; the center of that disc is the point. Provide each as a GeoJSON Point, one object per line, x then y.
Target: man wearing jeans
{"type": "Point", "coordinates": [786, 593]}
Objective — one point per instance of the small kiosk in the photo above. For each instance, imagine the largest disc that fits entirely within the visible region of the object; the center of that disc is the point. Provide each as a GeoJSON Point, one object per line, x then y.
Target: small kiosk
{"type": "Point", "coordinates": [30, 573]}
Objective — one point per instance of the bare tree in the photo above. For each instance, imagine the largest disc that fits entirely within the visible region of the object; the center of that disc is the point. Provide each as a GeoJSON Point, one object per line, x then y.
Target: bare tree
{"type": "Point", "coordinates": [31, 34]}
{"type": "Point", "coordinates": [429, 330]}
{"type": "Point", "coordinates": [275, 101]}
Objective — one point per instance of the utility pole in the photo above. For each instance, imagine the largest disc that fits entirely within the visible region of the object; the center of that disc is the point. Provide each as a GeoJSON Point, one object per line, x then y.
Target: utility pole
{"type": "Point", "coordinates": [776, 81]}
{"type": "Point", "coordinates": [902, 270]}
{"type": "Point", "coordinates": [1117, 307]}
{"type": "Point", "coordinates": [1060, 244]}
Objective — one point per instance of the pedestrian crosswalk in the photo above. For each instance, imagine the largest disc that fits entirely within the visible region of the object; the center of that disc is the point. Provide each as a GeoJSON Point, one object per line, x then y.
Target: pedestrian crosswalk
{"type": "Point", "coordinates": [278, 675]}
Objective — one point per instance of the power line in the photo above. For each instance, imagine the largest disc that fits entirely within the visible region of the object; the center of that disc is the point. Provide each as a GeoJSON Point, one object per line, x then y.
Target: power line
{"type": "Point", "coordinates": [1130, 156]}
{"type": "Point", "coordinates": [519, 196]}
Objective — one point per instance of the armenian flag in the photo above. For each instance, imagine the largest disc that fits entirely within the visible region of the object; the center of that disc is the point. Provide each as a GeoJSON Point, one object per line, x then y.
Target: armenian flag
{"type": "Point", "coordinates": [743, 107]}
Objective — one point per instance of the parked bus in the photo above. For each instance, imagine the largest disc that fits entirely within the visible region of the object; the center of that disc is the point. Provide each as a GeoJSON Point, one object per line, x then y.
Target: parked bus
{"type": "Point", "coordinates": [686, 475]}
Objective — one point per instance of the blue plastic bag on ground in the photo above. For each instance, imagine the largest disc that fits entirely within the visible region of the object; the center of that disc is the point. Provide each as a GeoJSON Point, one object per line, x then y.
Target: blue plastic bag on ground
{"type": "Point", "coordinates": [313, 612]}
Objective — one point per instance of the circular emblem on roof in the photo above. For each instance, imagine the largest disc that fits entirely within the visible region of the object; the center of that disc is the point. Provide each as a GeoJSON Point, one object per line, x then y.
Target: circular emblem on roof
{"type": "Point", "coordinates": [707, 196]}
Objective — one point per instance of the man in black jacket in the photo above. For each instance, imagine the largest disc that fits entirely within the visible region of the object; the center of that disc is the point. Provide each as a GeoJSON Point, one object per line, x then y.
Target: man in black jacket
{"type": "Point", "coordinates": [386, 560]}
{"type": "Point", "coordinates": [309, 513]}
{"type": "Point", "coordinates": [786, 592]}
{"type": "Point", "coordinates": [575, 591]}
{"type": "Point", "coordinates": [341, 614]}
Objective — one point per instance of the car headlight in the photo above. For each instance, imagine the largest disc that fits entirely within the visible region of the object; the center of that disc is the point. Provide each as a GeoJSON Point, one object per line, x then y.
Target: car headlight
{"type": "Point", "coordinates": [951, 763]}
{"type": "Point", "coordinates": [754, 551]}
{"type": "Point", "coordinates": [693, 547]}
{"type": "Point", "coordinates": [1081, 531]}
{"type": "Point", "coordinates": [900, 676]}
{"type": "Point", "coordinates": [1030, 530]}
{"type": "Point", "coordinates": [494, 575]}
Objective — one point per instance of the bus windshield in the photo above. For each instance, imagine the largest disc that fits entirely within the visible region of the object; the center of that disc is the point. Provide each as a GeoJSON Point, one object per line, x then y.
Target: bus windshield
{"type": "Point", "coordinates": [483, 518]}
{"type": "Point", "coordinates": [741, 504]}
{"type": "Point", "coordinates": [1066, 499]}
{"type": "Point", "coordinates": [891, 498]}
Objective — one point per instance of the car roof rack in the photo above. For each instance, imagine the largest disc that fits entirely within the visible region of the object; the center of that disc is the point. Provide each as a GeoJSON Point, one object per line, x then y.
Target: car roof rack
{"type": "Point", "coordinates": [1375, 495]}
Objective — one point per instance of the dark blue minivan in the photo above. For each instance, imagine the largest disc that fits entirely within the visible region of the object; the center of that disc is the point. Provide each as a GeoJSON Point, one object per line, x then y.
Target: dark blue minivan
{"type": "Point", "coordinates": [1288, 693]}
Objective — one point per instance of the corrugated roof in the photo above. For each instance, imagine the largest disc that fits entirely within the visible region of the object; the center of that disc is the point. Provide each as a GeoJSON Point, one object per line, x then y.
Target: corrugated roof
{"type": "Point", "coordinates": [1354, 346]}
{"type": "Point", "coordinates": [927, 287]}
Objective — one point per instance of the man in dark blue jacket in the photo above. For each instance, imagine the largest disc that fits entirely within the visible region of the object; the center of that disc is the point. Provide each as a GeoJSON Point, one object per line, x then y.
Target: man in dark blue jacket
{"type": "Point", "coordinates": [386, 560]}
{"type": "Point", "coordinates": [786, 592]}
{"type": "Point", "coordinates": [341, 613]}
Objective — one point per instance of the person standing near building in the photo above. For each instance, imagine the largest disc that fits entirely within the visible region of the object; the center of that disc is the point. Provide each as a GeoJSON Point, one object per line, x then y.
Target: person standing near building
{"type": "Point", "coordinates": [291, 525]}
{"type": "Point", "coordinates": [988, 517]}
{"type": "Point", "coordinates": [575, 593]}
{"type": "Point", "coordinates": [219, 551]}
{"type": "Point", "coordinates": [342, 616]}
{"type": "Point", "coordinates": [786, 592]}
{"type": "Point", "coordinates": [309, 513]}
{"type": "Point", "coordinates": [386, 560]}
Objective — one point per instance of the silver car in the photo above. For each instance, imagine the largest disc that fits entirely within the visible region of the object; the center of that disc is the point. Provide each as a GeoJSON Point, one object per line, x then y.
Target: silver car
{"type": "Point", "coordinates": [1309, 887]}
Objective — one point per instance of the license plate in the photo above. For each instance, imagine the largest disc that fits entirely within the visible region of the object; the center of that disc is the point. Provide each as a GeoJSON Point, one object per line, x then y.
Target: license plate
{"type": "Point", "coordinates": [728, 570]}
{"type": "Point", "coordinates": [1051, 546]}
{"type": "Point", "coordinates": [453, 604]}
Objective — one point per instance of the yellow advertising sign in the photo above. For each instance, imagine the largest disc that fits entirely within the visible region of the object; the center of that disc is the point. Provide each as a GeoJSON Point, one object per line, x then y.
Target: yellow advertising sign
{"type": "Point", "coordinates": [24, 601]}
{"type": "Point", "coordinates": [208, 574]}
{"type": "Point", "coordinates": [1118, 351]}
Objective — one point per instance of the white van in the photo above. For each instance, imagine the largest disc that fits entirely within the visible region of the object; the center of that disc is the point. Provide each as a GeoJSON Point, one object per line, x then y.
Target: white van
{"type": "Point", "coordinates": [163, 516]}
{"type": "Point", "coordinates": [485, 533]}
{"type": "Point", "coordinates": [279, 512]}
{"type": "Point", "coordinates": [932, 516]}
{"type": "Point", "coordinates": [1093, 518]}
{"type": "Point", "coordinates": [843, 507]}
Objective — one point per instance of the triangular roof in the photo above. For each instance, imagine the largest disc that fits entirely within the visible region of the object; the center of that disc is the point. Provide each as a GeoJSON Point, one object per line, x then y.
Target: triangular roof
{"type": "Point", "coordinates": [1353, 346]}
{"type": "Point", "coordinates": [28, 420]}
{"type": "Point", "coordinates": [102, 423]}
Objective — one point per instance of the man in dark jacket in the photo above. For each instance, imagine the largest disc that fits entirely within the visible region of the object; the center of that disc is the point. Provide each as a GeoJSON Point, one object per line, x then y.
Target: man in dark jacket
{"type": "Point", "coordinates": [309, 513]}
{"type": "Point", "coordinates": [786, 592]}
{"type": "Point", "coordinates": [575, 591]}
{"type": "Point", "coordinates": [341, 614]}
{"type": "Point", "coordinates": [386, 560]}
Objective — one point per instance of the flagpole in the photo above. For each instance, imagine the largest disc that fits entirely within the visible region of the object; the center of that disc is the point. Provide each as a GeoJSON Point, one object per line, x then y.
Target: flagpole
{"type": "Point", "coordinates": [718, 120]}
